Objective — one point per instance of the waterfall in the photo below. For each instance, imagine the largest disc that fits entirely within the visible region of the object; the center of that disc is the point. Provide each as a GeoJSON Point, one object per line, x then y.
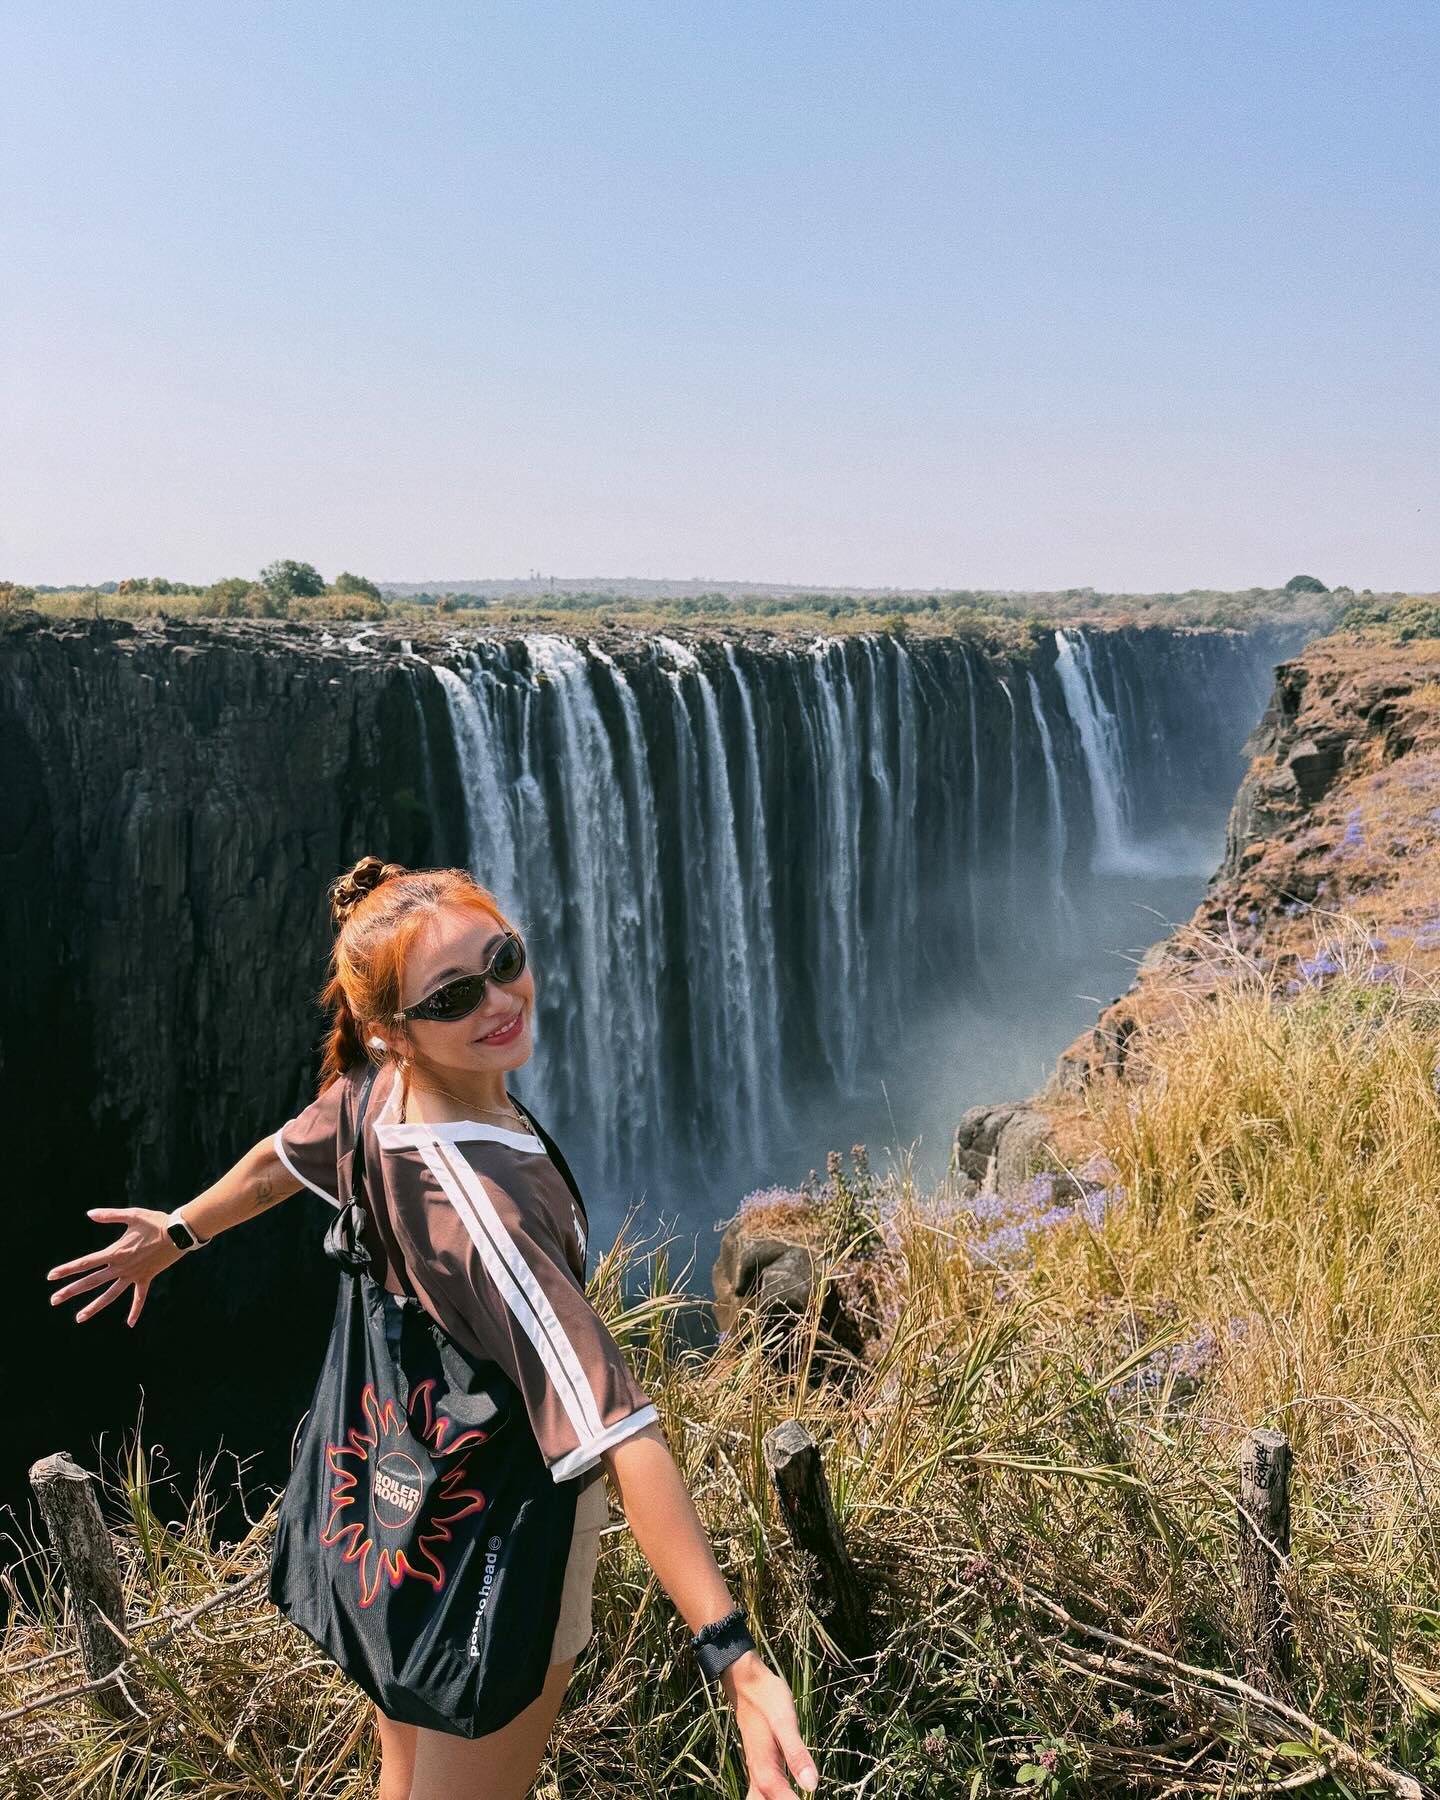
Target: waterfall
{"type": "Point", "coordinates": [1104, 752]}
{"type": "Point", "coordinates": [763, 970]}
{"type": "Point", "coordinates": [1012, 860]}
{"type": "Point", "coordinates": [767, 889]}
{"type": "Point", "coordinates": [1056, 835]}
{"type": "Point", "coordinates": [490, 822]}
{"type": "Point", "coordinates": [972, 870]}
{"type": "Point", "coordinates": [835, 747]}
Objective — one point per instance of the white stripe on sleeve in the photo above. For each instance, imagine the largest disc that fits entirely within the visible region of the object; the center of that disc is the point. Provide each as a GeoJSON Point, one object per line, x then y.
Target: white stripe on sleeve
{"type": "Point", "coordinates": [513, 1276]}
{"type": "Point", "coordinates": [576, 1461]}
{"type": "Point", "coordinates": [324, 1193]}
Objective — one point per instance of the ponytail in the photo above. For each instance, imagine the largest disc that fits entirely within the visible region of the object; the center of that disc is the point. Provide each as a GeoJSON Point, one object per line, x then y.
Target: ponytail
{"type": "Point", "coordinates": [343, 1046]}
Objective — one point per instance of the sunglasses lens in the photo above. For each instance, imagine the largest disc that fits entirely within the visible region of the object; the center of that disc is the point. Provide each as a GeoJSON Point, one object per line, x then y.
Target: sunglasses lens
{"type": "Point", "coordinates": [508, 960]}
{"type": "Point", "coordinates": [464, 994]}
{"type": "Point", "coordinates": [456, 998]}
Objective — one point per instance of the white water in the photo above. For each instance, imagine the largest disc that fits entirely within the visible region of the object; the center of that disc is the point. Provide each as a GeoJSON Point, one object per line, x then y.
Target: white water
{"type": "Point", "coordinates": [1104, 754]}
{"type": "Point", "coordinates": [1057, 836]}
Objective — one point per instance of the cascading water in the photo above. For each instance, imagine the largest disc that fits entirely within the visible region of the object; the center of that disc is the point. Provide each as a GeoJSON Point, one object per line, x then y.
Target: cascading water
{"type": "Point", "coordinates": [788, 899]}
{"type": "Point", "coordinates": [1055, 815]}
{"type": "Point", "coordinates": [1104, 753]}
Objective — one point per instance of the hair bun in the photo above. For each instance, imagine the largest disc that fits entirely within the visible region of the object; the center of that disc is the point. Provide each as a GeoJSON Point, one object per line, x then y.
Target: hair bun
{"type": "Point", "coordinates": [350, 889]}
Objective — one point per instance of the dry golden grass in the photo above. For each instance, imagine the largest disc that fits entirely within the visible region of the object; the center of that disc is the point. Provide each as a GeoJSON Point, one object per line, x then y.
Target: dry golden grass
{"type": "Point", "coordinates": [1051, 1427]}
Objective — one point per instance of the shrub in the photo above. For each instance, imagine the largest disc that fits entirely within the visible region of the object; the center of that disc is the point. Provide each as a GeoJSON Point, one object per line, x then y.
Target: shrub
{"type": "Point", "coordinates": [13, 596]}
{"type": "Point", "coordinates": [346, 583]}
{"type": "Point", "coordinates": [337, 606]}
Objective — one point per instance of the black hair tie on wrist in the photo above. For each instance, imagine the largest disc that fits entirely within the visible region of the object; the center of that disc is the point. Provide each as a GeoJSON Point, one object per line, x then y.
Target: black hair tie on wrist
{"type": "Point", "coordinates": [717, 1644]}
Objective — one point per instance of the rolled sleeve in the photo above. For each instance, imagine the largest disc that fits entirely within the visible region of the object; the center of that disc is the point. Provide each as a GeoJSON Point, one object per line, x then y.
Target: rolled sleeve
{"type": "Point", "coordinates": [536, 1321]}
{"type": "Point", "coordinates": [308, 1144]}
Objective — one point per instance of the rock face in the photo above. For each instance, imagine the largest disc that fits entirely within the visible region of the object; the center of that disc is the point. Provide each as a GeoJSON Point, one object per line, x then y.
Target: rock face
{"type": "Point", "coordinates": [1335, 829]}
{"type": "Point", "coordinates": [994, 1144]}
{"type": "Point", "coordinates": [776, 1278]}
{"type": "Point", "coordinates": [176, 800]}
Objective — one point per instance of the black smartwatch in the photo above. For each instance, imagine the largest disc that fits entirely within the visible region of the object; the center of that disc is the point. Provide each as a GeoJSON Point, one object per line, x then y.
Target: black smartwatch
{"type": "Point", "coordinates": [180, 1233]}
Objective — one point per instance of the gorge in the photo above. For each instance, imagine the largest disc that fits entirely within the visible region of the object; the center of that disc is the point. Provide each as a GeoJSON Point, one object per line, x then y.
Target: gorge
{"type": "Point", "coordinates": [781, 897]}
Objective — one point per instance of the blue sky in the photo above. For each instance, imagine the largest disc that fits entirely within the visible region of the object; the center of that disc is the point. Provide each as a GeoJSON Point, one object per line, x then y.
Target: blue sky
{"type": "Point", "coordinates": [1032, 295]}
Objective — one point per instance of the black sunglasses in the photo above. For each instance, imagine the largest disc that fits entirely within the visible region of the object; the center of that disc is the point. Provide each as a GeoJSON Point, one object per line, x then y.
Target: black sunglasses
{"type": "Point", "coordinates": [458, 999]}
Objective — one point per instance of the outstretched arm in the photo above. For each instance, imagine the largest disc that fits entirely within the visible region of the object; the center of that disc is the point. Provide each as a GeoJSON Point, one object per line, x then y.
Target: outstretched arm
{"type": "Point", "coordinates": [672, 1539]}
{"type": "Point", "coordinates": [143, 1249]}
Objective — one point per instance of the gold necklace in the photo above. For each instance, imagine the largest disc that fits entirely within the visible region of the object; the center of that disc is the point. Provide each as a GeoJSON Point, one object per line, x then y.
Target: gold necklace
{"type": "Point", "coordinates": [513, 1114]}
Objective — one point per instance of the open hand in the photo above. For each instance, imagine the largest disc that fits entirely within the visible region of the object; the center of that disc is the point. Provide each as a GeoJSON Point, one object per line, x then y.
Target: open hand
{"type": "Point", "coordinates": [769, 1730]}
{"type": "Point", "coordinates": [135, 1258]}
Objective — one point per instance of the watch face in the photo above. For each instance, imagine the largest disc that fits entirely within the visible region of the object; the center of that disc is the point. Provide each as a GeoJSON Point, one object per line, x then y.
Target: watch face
{"type": "Point", "coordinates": [181, 1234]}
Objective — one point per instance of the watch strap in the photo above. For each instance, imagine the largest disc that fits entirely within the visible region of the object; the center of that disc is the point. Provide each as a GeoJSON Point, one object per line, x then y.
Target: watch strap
{"type": "Point", "coordinates": [718, 1644]}
{"type": "Point", "coordinates": [182, 1234]}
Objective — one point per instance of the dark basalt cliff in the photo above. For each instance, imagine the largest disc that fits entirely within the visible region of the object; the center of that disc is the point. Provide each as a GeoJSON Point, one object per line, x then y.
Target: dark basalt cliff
{"type": "Point", "coordinates": [175, 802]}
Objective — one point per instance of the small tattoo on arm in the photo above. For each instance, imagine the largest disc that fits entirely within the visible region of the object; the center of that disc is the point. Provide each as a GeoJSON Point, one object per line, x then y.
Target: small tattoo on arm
{"type": "Point", "coordinates": [263, 1196]}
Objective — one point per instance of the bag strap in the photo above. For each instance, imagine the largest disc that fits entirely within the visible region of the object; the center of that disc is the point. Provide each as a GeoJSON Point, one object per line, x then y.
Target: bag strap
{"type": "Point", "coordinates": [357, 1155]}
{"type": "Point", "coordinates": [557, 1157]}
{"type": "Point", "coordinates": [343, 1242]}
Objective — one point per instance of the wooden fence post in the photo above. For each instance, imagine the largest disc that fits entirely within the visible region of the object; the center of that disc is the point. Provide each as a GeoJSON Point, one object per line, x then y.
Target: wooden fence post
{"type": "Point", "coordinates": [792, 1458]}
{"type": "Point", "coordinates": [1265, 1464]}
{"type": "Point", "coordinates": [87, 1560]}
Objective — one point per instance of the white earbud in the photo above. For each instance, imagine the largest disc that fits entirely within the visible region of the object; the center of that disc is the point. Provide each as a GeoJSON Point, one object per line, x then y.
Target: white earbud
{"type": "Point", "coordinates": [378, 1043]}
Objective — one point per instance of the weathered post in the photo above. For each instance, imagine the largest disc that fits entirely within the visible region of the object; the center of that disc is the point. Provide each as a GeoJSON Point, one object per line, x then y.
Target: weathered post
{"type": "Point", "coordinates": [1265, 1464]}
{"type": "Point", "coordinates": [87, 1559]}
{"type": "Point", "coordinates": [792, 1458]}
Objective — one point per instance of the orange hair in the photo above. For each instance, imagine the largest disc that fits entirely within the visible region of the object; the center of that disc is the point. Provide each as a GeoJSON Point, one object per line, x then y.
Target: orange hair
{"type": "Point", "coordinates": [378, 909]}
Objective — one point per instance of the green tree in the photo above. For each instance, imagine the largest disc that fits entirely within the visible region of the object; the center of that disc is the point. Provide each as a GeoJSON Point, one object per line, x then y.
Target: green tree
{"type": "Point", "coordinates": [1305, 584]}
{"type": "Point", "coordinates": [288, 580]}
{"type": "Point", "coordinates": [346, 583]}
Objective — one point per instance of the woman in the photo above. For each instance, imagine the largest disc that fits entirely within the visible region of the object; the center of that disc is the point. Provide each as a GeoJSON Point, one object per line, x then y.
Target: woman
{"type": "Point", "coordinates": [429, 980]}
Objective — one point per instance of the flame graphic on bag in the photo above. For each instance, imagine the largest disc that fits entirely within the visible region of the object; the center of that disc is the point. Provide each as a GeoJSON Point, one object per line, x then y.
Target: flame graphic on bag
{"type": "Point", "coordinates": [396, 1492]}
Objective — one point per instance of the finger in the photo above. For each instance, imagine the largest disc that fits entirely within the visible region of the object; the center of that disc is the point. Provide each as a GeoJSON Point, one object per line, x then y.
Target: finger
{"type": "Point", "coordinates": [787, 1734]}
{"type": "Point", "coordinates": [142, 1288]}
{"type": "Point", "coordinates": [767, 1774]}
{"type": "Point", "coordinates": [127, 1213]}
{"type": "Point", "coordinates": [83, 1286]}
{"type": "Point", "coordinates": [113, 1292]}
{"type": "Point", "coordinates": [80, 1263]}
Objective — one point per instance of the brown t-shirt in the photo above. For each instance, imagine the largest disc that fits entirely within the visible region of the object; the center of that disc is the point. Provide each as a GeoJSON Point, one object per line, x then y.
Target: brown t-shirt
{"type": "Point", "coordinates": [477, 1222]}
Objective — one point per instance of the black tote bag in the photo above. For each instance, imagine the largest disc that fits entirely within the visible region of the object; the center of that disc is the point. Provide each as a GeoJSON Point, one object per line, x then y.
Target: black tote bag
{"type": "Point", "coordinates": [421, 1540]}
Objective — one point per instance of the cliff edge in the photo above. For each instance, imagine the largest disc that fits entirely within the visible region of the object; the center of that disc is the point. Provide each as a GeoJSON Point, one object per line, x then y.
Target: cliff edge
{"type": "Point", "coordinates": [1335, 830]}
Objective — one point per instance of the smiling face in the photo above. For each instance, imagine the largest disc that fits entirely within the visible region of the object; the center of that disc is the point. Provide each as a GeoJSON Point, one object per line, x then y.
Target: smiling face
{"type": "Point", "coordinates": [493, 1038]}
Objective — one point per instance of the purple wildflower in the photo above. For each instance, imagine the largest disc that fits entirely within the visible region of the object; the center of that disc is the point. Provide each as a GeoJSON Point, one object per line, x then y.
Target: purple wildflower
{"type": "Point", "coordinates": [1317, 968]}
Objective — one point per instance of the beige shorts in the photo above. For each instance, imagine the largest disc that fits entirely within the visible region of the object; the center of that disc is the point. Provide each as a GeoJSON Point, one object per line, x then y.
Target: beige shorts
{"type": "Point", "coordinates": [572, 1632]}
